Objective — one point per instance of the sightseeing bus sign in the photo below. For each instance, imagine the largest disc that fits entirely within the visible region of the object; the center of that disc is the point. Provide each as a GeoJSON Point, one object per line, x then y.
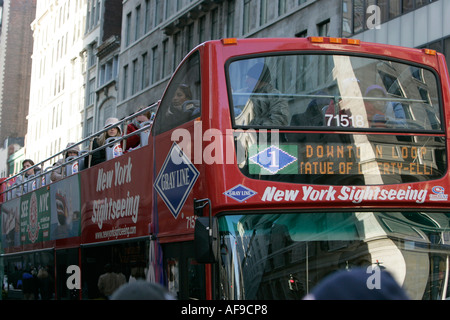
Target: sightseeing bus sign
{"type": "Point", "coordinates": [115, 197]}
{"type": "Point", "coordinates": [330, 158]}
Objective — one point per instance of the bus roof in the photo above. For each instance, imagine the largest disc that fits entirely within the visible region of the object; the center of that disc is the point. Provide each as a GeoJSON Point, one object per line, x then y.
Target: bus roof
{"type": "Point", "coordinates": [239, 47]}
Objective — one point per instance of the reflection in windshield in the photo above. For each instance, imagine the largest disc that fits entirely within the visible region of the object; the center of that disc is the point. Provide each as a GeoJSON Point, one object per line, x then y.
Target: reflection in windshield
{"type": "Point", "coordinates": [261, 254]}
{"type": "Point", "coordinates": [332, 91]}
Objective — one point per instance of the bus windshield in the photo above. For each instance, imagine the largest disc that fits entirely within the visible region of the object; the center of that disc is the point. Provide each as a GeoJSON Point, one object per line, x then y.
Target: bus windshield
{"type": "Point", "coordinates": [336, 120]}
{"type": "Point", "coordinates": [333, 92]}
{"type": "Point", "coordinates": [283, 256]}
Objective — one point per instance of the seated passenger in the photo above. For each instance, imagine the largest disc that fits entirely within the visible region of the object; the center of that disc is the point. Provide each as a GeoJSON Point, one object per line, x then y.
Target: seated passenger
{"type": "Point", "coordinates": [382, 113]}
{"type": "Point", "coordinates": [135, 140]}
{"type": "Point", "coordinates": [313, 116]}
{"type": "Point", "coordinates": [182, 108]}
{"type": "Point", "coordinates": [100, 155]}
{"type": "Point", "coordinates": [27, 163]}
{"type": "Point", "coordinates": [58, 174]}
{"type": "Point", "coordinates": [265, 105]}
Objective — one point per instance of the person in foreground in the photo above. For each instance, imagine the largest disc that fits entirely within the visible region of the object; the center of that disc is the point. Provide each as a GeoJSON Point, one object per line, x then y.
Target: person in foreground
{"type": "Point", "coordinates": [142, 290]}
{"type": "Point", "coordinates": [357, 284]}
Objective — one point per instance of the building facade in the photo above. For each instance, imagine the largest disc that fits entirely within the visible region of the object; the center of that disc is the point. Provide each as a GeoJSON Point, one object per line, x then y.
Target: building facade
{"type": "Point", "coordinates": [16, 45]}
{"type": "Point", "coordinates": [409, 23]}
{"type": "Point", "coordinates": [101, 51]}
{"type": "Point", "coordinates": [57, 85]}
{"type": "Point", "coordinates": [157, 34]}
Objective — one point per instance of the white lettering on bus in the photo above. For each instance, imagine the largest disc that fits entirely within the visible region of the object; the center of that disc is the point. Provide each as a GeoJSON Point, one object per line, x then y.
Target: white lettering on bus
{"type": "Point", "coordinates": [108, 209]}
{"type": "Point", "coordinates": [353, 194]}
{"type": "Point", "coordinates": [279, 195]}
{"type": "Point", "coordinates": [122, 175]}
{"type": "Point", "coordinates": [175, 179]}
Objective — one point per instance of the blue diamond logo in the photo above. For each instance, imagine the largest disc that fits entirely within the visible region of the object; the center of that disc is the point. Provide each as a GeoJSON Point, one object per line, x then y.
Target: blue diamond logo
{"type": "Point", "coordinates": [273, 159]}
{"type": "Point", "coordinates": [176, 179]}
{"type": "Point", "coordinates": [240, 193]}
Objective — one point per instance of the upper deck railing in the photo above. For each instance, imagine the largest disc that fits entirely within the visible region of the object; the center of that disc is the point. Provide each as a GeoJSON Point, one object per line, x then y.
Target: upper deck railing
{"type": "Point", "coordinates": [18, 184]}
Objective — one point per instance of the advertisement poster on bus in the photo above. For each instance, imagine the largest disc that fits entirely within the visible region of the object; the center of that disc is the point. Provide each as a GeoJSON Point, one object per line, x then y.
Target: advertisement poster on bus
{"type": "Point", "coordinates": [116, 199]}
{"type": "Point", "coordinates": [45, 214]}
{"type": "Point", "coordinates": [35, 217]}
{"type": "Point", "coordinates": [10, 222]}
{"type": "Point", "coordinates": [65, 208]}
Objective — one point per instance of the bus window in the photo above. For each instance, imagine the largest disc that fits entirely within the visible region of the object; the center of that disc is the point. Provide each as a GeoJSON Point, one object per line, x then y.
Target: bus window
{"type": "Point", "coordinates": [262, 253]}
{"type": "Point", "coordinates": [333, 92]}
{"type": "Point", "coordinates": [327, 109]}
{"type": "Point", "coordinates": [185, 277]}
{"type": "Point", "coordinates": [181, 103]}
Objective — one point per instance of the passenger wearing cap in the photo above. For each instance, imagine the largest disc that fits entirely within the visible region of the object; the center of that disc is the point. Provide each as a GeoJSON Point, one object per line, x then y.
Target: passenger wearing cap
{"type": "Point", "coordinates": [114, 131]}
{"type": "Point", "coordinates": [71, 150]}
{"type": "Point", "coordinates": [383, 113]}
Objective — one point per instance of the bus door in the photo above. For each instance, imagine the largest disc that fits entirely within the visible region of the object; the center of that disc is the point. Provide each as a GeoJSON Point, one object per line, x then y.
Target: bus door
{"type": "Point", "coordinates": [185, 277]}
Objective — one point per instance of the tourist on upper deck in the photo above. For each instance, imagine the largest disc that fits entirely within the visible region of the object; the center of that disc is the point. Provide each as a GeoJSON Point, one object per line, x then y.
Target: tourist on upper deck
{"type": "Point", "coordinates": [100, 155]}
{"type": "Point", "coordinates": [135, 140]}
{"type": "Point", "coordinates": [72, 150]}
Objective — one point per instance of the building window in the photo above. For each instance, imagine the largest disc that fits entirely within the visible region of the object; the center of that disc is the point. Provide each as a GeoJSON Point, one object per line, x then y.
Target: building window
{"type": "Point", "coordinates": [189, 38]}
{"type": "Point", "coordinates": [147, 16]}
{"type": "Point", "coordinates": [125, 82]}
{"type": "Point", "coordinates": [301, 34]}
{"type": "Point", "coordinates": [215, 24]}
{"type": "Point", "coordinates": [201, 29]}
{"type": "Point", "coordinates": [246, 17]}
{"type": "Point", "coordinates": [108, 71]}
{"type": "Point", "coordinates": [155, 64]}
{"type": "Point", "coordinates": [323, 28]}
{"type": "Point", "coordinates": [92, 57]}
{"type": "Point", "coordinates": [91, 92]}
{"type": "Point", "coordinates": [263, 12]}
{"type": "Point", "coordinates": [187, 81]}
{"type": "Point", "coordinates": [137, 29]}
{"type": "Point", "coordinates": [144, 78]}
{"type": "Point", "coordinates": [128, 30]}
{"type": "Point", "coordinates": [230, 18]}
{"type": "Point", "coordinates": [165, 61]}
{"type": "Point", "coordinates": [158, 12]}
{"type": "Point", "coordinates": [281, 7]}
{"type": "Point", "coordinates": [176, 50]}
{"type": "Point", "coordinates": [134, 79]}
{"type": "Point", "coordinates": [169, 8]}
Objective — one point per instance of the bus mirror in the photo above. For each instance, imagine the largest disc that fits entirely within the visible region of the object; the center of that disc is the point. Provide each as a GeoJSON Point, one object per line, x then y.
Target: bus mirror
{"type": "Point", "coordinates": [205, 240]}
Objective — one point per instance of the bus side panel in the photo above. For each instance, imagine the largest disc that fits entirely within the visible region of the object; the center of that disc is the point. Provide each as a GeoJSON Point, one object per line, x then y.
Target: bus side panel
{"type": "Point", "coordinates": [175, 184]}
{"type": "Point", "coordinates": [116, 197]}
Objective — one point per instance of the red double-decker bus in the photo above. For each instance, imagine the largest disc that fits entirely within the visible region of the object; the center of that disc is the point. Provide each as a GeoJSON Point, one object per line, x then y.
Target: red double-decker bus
{"type": "Point", "coordinates": [270, 164]}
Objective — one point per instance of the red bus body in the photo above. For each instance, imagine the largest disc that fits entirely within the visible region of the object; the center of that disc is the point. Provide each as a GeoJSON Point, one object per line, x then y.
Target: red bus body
{"type": "Point", "coordinates": [118, 201]}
